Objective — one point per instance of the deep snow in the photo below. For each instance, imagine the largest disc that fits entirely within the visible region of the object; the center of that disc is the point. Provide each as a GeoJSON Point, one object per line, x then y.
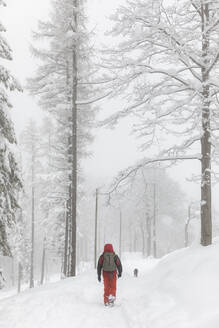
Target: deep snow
{"type": "Point", "coordinates": [181, 290]}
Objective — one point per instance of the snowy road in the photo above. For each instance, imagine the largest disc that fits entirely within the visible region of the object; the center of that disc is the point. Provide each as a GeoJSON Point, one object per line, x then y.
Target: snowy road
{"type": "Point", "coordinates": [173, 292]}
{"type": "Point", "coordinates": [76, 302]}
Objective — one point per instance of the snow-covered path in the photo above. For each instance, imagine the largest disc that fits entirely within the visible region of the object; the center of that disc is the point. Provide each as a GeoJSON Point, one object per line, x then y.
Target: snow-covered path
{"type": "Point", "coordinates": [178, 291]}
{"type": "Point", "coordinates": [76, 302]}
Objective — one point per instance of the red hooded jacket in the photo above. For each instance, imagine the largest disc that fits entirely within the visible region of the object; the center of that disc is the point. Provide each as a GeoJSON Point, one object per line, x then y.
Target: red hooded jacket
{"type": "Point", "coordinates": [109, 248]}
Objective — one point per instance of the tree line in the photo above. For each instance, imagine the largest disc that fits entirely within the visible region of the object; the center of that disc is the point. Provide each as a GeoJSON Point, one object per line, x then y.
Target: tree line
{"type": "Point", "coordinates": [164, 65]}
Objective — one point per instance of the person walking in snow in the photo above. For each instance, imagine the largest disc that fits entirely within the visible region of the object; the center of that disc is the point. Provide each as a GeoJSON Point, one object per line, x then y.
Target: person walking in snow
{"type": "Point", "coordinates": [109, 263]}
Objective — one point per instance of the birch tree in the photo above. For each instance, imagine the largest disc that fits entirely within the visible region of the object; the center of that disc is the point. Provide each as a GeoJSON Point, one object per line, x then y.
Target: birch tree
{"type": "Point", "coordinates": [10, 183]}
{"type": "Point", "coordinates": [167, 67]}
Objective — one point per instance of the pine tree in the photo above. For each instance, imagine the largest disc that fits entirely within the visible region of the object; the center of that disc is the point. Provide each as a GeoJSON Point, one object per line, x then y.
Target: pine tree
{"type": "Point", "coordinates": [62, 85]}
{"type": "Point", "coordinates": [10, 183]}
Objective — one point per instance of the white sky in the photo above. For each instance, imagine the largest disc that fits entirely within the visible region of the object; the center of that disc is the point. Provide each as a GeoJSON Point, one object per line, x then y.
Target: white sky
{"type": "Point", "coordinates": [112, 150]}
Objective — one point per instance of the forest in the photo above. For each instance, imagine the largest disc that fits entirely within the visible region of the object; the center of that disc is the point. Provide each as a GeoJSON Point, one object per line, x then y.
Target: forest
{"type": "Point", "coordinates": [109, 136]}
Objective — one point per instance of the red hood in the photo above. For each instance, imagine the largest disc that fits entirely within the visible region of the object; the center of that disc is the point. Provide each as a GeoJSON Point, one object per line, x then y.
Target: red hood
{"type": "Point", "coordinates": [108, 248]}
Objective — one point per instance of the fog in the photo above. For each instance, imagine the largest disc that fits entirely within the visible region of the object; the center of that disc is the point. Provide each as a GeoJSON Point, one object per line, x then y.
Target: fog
{"type": "Point", "coordinates": [112, 150]}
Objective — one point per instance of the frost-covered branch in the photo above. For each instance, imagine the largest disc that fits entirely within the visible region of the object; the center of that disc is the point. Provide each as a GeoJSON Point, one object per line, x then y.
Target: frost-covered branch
{"type": "Point", "coordinates": [93, 100]}
{"type": "Point", "coordinates": [124, 175]}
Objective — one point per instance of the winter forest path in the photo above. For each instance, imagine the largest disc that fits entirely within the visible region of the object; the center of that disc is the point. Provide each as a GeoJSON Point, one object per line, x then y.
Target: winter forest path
{"type": "Point", "coordinates": [74, 302]}
{"type": "Point", "coordinates": [179, 290]}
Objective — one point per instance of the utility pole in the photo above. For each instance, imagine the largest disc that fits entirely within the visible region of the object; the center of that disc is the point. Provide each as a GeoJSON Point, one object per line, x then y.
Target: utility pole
{"type": "Point", "coordinates": [19, 277]}
{"type": "Point", "coordinates": [43, 262]}
{"type": "Point", "coordinates": [95, 237]}
{"type": "Point", "coordinates": [120, 234]}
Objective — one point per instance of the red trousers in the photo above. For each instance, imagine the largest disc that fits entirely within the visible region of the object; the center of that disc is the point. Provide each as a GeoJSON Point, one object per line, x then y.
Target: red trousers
{"type": "Point", "coordinates": [109, 280]}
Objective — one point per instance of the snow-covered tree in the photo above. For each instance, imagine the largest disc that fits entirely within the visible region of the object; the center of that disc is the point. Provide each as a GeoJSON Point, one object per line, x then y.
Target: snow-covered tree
{"type": "Point", "coordinates": [167, 67]}
{"type": "Point", "coordinates": [154, 212]}
{"type": "Point", "coordinates": [53, 193]}
{"type": "Point", "coordinates": [20, 242]}
{"type": "Point", "coordinates": [31, 146]}
{"type": "Point", "coordinates": [42, 201]}
{"type": "Point", "coordinates": [10, 183]}
{"type": "Point", "coordinates": [62, 84]}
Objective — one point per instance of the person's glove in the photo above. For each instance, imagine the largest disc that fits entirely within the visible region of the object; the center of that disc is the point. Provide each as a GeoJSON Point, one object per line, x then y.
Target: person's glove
{"type": "Point", "coordinates": [99, 278]}
{"type": "Point", "coordinates": [119, 275]}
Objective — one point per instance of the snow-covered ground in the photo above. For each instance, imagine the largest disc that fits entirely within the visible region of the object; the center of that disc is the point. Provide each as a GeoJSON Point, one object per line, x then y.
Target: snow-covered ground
{"type": "Point", "coordinates": [180, 290]}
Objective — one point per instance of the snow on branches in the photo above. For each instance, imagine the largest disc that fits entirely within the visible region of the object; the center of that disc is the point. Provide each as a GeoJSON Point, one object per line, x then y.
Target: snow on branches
{"type": "Point", "coordinates": [10, 183]}
{"type": "Point", "coordinates": [166, 67]}
{"type": "Point", "coordinates": [159, 64]}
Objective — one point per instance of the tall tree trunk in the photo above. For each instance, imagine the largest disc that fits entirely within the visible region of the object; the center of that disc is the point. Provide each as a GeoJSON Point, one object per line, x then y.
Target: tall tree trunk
{"type": "Point", "coordinates": [12, 272]}
{"type": "Point", "coordinates": [135, 242]}
{"type": "Point", "coordinates": [68, 222]}
{"type": "Point", "coordinates": [95, 232]}
{"type": "Point", "coordinates": [85, 249]}
{"type": "Point", "coordinates": [143, 238]}
{"type": "Point", "coordinates": [120, 234]}
{"type": "Point", "coordinates": [148, 234]}
{"type": "Point", "coordinates": [32, 226]}
{"type": "Point", "coordinates": [148, 216]}
{"type": "Point", "coordinates": [65, 264]}
{"type": "Point", "coordinates": [206, 222]}
{"type": "Point", "coordinates": [186, 242]}
{"type": "Point", "coordinates": [70, 241]}
{"type": "Point", "coordinates": [74, 142]}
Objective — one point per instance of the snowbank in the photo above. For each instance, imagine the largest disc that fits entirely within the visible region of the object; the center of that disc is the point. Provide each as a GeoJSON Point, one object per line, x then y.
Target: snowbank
{"type": "Point", "coordinates": [181, 290]}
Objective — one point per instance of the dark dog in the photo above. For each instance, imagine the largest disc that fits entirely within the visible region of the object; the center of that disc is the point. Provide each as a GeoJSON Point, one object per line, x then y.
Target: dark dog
{"type": "Point", "coordinates": [135, 272]}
